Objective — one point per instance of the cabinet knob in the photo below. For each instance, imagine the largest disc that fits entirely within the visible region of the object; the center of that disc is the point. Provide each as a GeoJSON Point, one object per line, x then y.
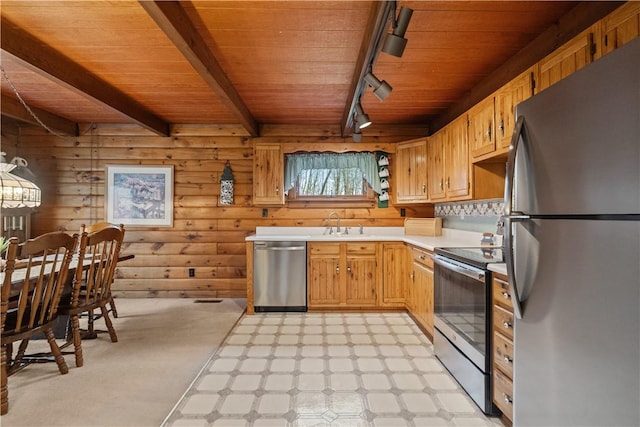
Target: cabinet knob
{"type": "Point", "coordinates": [277, 190]}
{"type": "Point", "coordinates": [337, 269]}
{"type": "Point", "coordinates": [448, 182]}
{"type": "Point", "coordinates": [502, 126]}
{"type": "Point", "coordinates": [441, 184]}
{"type": "Point", "coordinates": [424, 188]}
{"type": "Point", "coordinates": [349, 268]}
{"type": "Point", "coordinates": [507, 399]}
{"type": "Point", "coordinates": [508, 360]}
{"type": "Point", "coordinates": [489, 132]}
{"type": "Point", "coordinates": [506, 324]}
{"type": "Point", "coordinates": [506, 295]}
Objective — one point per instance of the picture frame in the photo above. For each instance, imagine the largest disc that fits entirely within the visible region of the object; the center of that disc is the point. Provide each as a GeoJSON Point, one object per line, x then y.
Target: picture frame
{"type": "Point", "coordinates": [139, 195]}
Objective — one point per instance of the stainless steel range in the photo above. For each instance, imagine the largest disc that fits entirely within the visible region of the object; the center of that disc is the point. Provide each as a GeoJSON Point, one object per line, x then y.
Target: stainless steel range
{"type": "Point", "coordinates": [462, 318]}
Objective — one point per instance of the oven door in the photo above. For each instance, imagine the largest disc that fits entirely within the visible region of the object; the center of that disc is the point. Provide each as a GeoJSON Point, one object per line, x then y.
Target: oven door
{"type": "Point", "coordinates": [460, 307]}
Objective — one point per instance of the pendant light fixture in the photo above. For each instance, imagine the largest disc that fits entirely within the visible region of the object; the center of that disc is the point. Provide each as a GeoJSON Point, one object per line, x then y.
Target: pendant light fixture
{"type": "Point", "coordinates": [15, 191]}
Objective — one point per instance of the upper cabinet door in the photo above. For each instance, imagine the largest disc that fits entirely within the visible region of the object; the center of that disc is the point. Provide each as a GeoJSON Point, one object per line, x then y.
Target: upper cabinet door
{"type": "Point", "coordinates": [507, 98]}
{"type": "Point", "coordinates": [268, 174]}
{"type": "Point", "coordinates": [482, 128]}
{"type": "Point", "coordinates": [435, 165]}
{"type": "Point", "coordinates": [621, 26]}
{"type": "Point", "coordinates": [457, 160]}
{"type": "Point", "coordinates": [411, 172]}
{"type": "Point", "coordinates": [569, 58]}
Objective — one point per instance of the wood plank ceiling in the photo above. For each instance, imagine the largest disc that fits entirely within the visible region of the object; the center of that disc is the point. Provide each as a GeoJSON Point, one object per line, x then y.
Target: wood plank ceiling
{"type": "Point", "coordinates": [250, 63]}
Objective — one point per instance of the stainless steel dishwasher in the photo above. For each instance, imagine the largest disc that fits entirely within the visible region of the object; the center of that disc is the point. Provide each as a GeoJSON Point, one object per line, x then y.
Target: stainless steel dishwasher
{"type": "Point", "coordinates": [279, 276]}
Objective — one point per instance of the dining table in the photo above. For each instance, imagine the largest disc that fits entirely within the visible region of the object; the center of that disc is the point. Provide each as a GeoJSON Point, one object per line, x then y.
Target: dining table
{"type": "Point", "coordinates": [38, 263]}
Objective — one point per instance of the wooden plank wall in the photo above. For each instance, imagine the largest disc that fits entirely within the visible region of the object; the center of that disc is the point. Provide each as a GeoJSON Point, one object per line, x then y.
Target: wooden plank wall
{"type": "Point", "coordinates": [205, 236]}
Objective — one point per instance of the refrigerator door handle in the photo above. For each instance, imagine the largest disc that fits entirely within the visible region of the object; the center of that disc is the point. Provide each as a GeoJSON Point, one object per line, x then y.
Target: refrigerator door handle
{"type": "Point", "coordinates": [518, 130]}
{"type": "Point", "coordinates": [510, 261]}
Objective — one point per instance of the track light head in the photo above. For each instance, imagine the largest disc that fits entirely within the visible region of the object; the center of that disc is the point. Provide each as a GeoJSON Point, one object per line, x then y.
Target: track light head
{"type": "Point", "coordinates": [362, 119]}
{"type": "Point", "coordinates": [381, 89]}
{"type": "Point", "coordinates": [395, 42]}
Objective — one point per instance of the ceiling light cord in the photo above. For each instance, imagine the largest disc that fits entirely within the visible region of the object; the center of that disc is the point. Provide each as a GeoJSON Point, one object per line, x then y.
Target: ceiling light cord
{"type": "Point", "coordinates": [24, 104]}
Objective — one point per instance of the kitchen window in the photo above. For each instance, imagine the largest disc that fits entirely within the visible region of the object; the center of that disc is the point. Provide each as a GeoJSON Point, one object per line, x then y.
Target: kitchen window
{"type": "Point", "coordinates": [331, 177]}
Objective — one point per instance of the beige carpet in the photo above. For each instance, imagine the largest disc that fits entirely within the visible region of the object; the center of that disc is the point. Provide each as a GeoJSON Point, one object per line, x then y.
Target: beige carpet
{"type": "Point", "coordinates": [163, 344]}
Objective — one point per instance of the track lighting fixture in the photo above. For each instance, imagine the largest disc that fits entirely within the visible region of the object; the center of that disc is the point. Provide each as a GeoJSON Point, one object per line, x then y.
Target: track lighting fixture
{"type": "Point", "coordinates": [381, 89]}
{"type": "Point", "coordinates": [395, 42]}
{"type": "Point", "coordinates": [362, 119]}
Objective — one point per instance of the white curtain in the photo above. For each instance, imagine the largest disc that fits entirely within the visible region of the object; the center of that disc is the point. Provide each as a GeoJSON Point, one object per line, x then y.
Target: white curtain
{"type": "Point", "coordinates": [340, 171]}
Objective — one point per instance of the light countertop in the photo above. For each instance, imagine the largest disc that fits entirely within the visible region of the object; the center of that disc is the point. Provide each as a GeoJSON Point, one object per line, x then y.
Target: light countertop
{"type": "Point", "coordinates": [450, 237]}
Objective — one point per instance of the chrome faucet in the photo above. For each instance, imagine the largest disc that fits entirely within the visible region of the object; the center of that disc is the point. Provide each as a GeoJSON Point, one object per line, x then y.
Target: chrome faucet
{"type": "Point", "coordinates": [337, 222]}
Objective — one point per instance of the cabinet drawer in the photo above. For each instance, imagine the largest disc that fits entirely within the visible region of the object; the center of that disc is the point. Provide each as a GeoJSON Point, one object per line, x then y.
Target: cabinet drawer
{"type": "Point", "coordinates": [501, 293]}
{"type": "Point", "coordinates": [503, 353]}
{"type": "Point", "coordinates": [423, 257]}
{"type": "Point", "coordinates": [503, 321]}
{"type": "Point", "coordinates": [324, 249]}
{"type": "Point", "coordinates": [503, 393]}
{"type": "Point", "coordinates": [361, 248]}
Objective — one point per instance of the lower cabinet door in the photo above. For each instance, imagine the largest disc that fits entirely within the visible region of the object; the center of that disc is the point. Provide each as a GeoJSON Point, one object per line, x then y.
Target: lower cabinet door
{"type": "Point", "coordinates": [323, 282]}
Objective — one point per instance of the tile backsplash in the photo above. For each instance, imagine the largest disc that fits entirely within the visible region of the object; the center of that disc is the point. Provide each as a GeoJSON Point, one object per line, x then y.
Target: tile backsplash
{"type": "Point", "coordinates": [473, 215]}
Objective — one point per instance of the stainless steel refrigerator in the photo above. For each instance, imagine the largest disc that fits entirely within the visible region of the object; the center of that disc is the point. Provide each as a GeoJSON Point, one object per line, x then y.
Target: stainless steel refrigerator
{"type": "Point", "coordinates": [572, 247]}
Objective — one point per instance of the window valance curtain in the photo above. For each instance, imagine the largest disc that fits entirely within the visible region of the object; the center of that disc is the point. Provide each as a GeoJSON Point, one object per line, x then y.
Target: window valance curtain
{"type": "Point", "coordinates": [365, 162]}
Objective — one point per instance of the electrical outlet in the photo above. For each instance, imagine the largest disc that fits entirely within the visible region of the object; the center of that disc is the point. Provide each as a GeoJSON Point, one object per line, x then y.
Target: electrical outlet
{"type": "Point", "coordinates": [265, 212]}
{"type": "Point", "coordinates": [403, 212]}
{"type": "Point", "coordinates": [192, 272]}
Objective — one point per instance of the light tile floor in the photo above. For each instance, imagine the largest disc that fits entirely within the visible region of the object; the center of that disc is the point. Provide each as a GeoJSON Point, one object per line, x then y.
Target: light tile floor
{"type": "Point", "coordinates": [317, 369]}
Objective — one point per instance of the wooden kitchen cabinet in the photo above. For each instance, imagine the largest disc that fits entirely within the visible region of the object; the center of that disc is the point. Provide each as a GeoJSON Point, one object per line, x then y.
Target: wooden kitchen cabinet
{"type": "Point", "coordinates": [342, 275]}
{"type": "Point", "coordinates": [482, 127]}
{"type": "Point", "coordinates": [420, 288]}
{"type": "Point", "coordinates": [411, 172]}
{"type": "Point", "coordinates": [448, 165]}
{"type": "Point", "coordinates": [435, 165]}
{"type": "Point", "coordinates": [268, 174]}
{"type": "Point", "coordinates": [569, 58]}
{"type": "Point", "coordinates": [394, 274]}
{"type": "Point", "coordinates": [506, 99]}
{"type": "Point", "coordinates": [620, 26]}
{"type": "Point", "coordinates": [502, 345]}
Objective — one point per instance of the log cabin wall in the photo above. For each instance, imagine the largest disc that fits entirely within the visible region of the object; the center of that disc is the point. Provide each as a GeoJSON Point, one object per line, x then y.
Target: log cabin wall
{"type": "Point", "coordinates": [205, 236]}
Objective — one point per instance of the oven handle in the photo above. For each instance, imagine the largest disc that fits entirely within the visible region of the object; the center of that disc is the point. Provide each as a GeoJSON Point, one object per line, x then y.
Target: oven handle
{"type": "Point", "coordinates": [472, 272]}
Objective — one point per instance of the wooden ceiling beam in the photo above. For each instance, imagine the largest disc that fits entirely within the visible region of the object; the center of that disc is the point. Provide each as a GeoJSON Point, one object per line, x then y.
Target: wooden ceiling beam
{"type": "Point", "coordinates": [172, 18]}
{"type": "Point", "coordinates": [14, 109]}
{"type": "Point", "coordinates": [41, 58]}
{"type": "Point", "coordinates": [570, 25]}
{"type": "Point", "coordinates": [376, 24]}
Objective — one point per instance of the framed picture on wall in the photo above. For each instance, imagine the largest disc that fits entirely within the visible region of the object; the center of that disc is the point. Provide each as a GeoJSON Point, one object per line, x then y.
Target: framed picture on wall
{"type": "Point", "coordinates": [139, 195]}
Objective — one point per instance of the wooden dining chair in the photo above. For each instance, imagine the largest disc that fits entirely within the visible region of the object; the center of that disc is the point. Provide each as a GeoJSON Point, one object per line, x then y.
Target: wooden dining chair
{"type": "Point", "coordinates": [30, 298]}
{"type": "Point", "coordinates": [99, 253]}
{"type": "Point", "coordinates": [92, 228]}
